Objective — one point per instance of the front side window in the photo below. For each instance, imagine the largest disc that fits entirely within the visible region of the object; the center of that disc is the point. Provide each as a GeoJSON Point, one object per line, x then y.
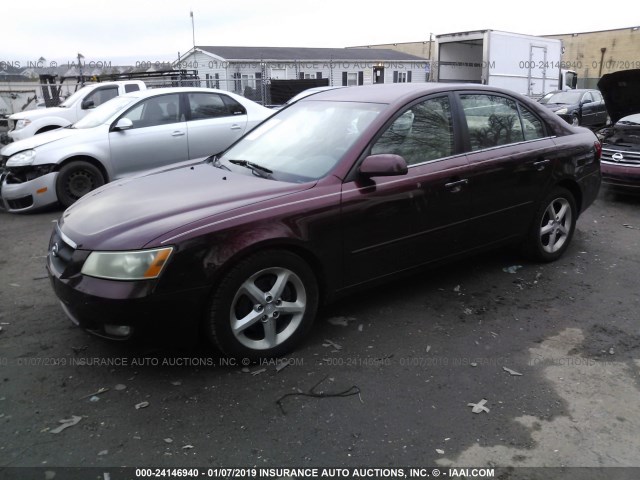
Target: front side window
{"type": "Point", "coordinates": [161, 110]}
{"type": "Point", "coordinates": [102, 95]}
{"type": "Point", "coordinates": [491, 120]}
{"type": "Point", "coordinates": [423, 132]}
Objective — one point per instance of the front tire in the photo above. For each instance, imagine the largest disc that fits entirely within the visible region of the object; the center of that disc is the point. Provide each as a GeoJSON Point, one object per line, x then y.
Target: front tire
{"type": "Point", "coordinates": [75, 180]}
{"type": "Point", "coordinates": [575, 121]}
{"type": "Point", "coordinates": [264, 306]}
{"type": "Point", "coordinates": [553, 226]}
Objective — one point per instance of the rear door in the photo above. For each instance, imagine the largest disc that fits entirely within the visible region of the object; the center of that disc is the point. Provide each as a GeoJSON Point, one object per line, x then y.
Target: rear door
{"type": "Point", "coordinates": [511, 160]}
{"type": "Point", "coordinates": [393, 224]}
{"type": "Point", "coordinates": [215, 121]}
{"type": "Point", "coordinates": [158, 136]}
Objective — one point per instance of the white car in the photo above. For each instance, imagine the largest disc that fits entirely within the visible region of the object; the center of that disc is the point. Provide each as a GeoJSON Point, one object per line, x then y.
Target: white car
{"type": "Point", "coordinates": [129, 134]}
{"type": "Point", "coordinates": [33, 122]}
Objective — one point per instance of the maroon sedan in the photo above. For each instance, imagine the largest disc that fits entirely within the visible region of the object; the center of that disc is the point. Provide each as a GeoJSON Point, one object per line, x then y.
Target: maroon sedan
{"type": "Point", "coordinates": [342, 189]}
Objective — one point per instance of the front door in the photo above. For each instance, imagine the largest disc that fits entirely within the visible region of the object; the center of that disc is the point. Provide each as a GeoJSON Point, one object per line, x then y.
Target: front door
{"type": "Point", "coordinates": [378, 74]}
{"type": "Point", "coordinates": [393, 224]}
{"type": "Point", "coordinates": [158, 136]}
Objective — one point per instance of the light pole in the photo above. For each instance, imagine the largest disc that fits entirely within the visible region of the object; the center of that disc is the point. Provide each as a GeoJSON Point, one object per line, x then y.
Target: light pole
{"type": "Point", "coordinates": [193, 32]}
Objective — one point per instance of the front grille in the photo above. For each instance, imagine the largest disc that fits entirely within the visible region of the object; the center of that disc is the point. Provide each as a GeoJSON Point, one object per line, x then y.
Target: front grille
{"type": "Point", "coordinates": [22, 202]}
{"type": "Point", "coordinates": [61, 252]}
{"type": "Point", "coordinates": [621, 157]}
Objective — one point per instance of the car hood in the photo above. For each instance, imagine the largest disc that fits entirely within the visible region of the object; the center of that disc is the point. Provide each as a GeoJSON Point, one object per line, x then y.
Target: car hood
{"type": "Point", "coordinates": [621, 92]}
{"type": "Point", "coordinates": [39, 140]}
{"type": "Point", "coordinates": [39, 113]}
{"type": "Point", "coordinates": [131, 213]}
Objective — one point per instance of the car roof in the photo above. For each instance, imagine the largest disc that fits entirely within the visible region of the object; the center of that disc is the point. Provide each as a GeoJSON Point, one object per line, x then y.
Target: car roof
{"type": "Point", "coordinates": [152, 92]}
{"type": "Point", "coordinates": [397, 92]}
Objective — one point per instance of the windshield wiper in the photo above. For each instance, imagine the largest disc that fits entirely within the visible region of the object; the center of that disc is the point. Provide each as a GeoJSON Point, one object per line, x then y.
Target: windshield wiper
{"type": "Point", "coordinates": [257, 169]}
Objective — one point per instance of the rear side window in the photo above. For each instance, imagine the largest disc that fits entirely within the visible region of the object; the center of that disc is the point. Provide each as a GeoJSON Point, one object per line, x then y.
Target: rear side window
{"type": "Point", "coordinates": [532, 126]}
{"type": "Point", "coordinates": [131, 87]}
{"type": "Point", "coordinates": [423, 132]}
{"type": "Point", "coordinates": [213, 105]}
{"type": "Point", "coordinates": [491, 120]}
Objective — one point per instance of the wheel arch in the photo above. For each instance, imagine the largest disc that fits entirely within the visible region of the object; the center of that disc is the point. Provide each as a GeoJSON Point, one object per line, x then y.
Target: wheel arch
{"type": "Point", "coordinates": [575, 190]}
{"type": "Point", "coordinates": [283, 244]}
{"type": "Point", "coordinates": [48, 128]}
{"type": "Point", "coordinates": [84, 158]}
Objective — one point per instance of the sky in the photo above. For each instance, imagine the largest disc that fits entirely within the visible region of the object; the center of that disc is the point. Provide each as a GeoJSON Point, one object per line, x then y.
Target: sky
{"type": "Point", "coordinates": [135, 31]}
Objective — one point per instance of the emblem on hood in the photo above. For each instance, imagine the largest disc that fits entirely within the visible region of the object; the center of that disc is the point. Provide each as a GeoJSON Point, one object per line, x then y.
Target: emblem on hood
{"type": "Point", "coordinates": [617, 157]}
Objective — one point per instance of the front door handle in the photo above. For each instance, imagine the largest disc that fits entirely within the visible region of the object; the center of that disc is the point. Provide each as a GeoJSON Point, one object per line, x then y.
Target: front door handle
{"type": "Point", "coordinates": [456, 186]}
{"type": "Point", "coordinates": [541, 165]}
{"type": "Point", "coordinates": [235, 126]}
{"type": "Point", "coordinates": [177, 133]}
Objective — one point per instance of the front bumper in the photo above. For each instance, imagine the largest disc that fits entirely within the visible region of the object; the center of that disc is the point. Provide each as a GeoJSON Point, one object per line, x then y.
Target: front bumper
{"type": "Point", "coordinates": [101, 306]}
{"type": "Point", "coordinates": [29, 195]}
{"type": "Point", "coordinates": [621, 177]}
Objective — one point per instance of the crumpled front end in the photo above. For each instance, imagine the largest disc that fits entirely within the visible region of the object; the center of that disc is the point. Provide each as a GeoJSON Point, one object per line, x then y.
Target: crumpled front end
{"type": "Point", "coordinates": [27, 188]}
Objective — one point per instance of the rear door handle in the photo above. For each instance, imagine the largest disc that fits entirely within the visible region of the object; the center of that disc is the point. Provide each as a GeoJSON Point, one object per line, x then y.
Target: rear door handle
{"type": "Point", "coordinates": [541, 164]}
{"type": "Point", "coordinates": [456, 186]}
{"type": "Point", "coordinates": [177, 133]}
{"type": "Point", "coordinates": [235, 126]}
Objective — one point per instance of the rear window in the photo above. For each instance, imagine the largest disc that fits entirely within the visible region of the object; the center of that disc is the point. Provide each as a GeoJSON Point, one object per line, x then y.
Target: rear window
{"type": "Point", "coordinates": [131, 87]}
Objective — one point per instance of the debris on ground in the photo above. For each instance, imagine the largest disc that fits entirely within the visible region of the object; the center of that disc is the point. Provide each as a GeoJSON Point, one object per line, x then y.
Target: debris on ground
{"type": "Point", "coordinates": [41, 277]}
{"type": "Point", "coordinates": [168, 440]}
{"type": "Point", "coordinates": [142, 405]}
{"type": "Point", "coordinates": [353, 390]}
{"type": "Point", "coordinates": [94, 399]}
{"type": "Point", "coordinates": [282, 365]}
{"type": "Point", "coordinates": [440, 451]}
{"type": "Point", "coordinates": [341, 321]}
{"type": "Point", "coordinates": [626, 225]}
{"type": "Point", "coordinates": [245, 370]}
{"type": "Point", "coordinates": [479, 407]}
{"type": "Point", "coordinates": [176, 383]}
{"type": "Point", "coordinates": [360, 327]}
{"type": "Point", "coordinates": [456, 289]}
{"type": "Point", "coordinates": [428, 348]}
{"type": "Point", "coordinates": [611, 351]}
{"type": "Point", "coordinates": [103, 452]}
{"type": "Point", "coordinates": [94, 394]}
{"type": "Point", "coordinates": [66, 423]}
{"type": "Point", "coordinates": [17, 285]}
{"type": "Point", "coordinates": [512, 372]}
{"type": "Point", "coordinates": [119, 387]}
{"type": "Point", "coordinates": [329, 343]}
{"type": "Point", "coordinates": [467, 311]}
{"type": "Point", "coordinates": [512, 269]}
{"type": "Point", "coordinates": [187, 447]}
{"type": "Point", "coordinates": [473, 364]}
{"type": "Point", "coordinates": [258, 372]}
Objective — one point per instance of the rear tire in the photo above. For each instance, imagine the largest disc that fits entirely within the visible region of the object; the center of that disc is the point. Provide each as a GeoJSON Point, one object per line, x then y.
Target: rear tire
{"type": "Point", "coordinates": [553, 226]}
{"type": "Point", "coordinates": [75, 180]}
{"type": "Point", "coordinates": [264, 306]}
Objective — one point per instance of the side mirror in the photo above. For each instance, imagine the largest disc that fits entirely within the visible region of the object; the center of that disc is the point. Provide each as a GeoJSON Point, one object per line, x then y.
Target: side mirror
{"type": "Point", "coordinates": [383, 165]}
{"type": "Point", "coordinates": [122, 124]}
{"type": "Point", "coordinates": [88, 103]}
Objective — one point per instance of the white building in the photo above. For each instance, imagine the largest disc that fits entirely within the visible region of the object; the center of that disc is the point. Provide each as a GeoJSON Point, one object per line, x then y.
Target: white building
{"type": "Point", "coordinates": [246, 70]}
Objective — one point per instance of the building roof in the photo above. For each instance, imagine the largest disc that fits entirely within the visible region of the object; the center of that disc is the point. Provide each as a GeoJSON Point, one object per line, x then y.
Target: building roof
{"type": "Point", "coordinates": [308, 54]}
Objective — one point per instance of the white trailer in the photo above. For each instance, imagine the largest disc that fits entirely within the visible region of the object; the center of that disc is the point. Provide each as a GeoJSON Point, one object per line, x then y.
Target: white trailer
{"type": "Point", "coordinates": [523, 63]}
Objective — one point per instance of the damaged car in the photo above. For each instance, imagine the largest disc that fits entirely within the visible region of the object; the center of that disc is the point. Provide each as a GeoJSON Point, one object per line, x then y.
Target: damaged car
{"type": "Point", "coordinates": [621, 142]}
{"type": "Point", "coordinates": [129, 134]}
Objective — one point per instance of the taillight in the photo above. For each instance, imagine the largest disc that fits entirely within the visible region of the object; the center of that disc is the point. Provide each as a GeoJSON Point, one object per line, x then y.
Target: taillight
{"type": "Point", "coordinates": [598, 147]}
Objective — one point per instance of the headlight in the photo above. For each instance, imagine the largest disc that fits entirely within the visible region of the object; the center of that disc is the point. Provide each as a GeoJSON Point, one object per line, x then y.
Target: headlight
{"type": "Point", "coordinates": [138, 265]}
{"type": "Point", "coordinates": [22, 159]}
{"type": "Point", "coordinates": [562, 111]}
{"type": "Point", "coordinates": [22, 123]}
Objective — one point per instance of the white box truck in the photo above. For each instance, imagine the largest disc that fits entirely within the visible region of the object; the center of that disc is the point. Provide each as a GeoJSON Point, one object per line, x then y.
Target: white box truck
{"type": "Point", "coordinates": [523, 63]}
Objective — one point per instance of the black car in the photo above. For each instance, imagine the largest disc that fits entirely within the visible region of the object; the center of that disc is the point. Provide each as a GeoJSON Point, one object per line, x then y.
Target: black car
{"type": "Point", "coordinates": [578, 107]}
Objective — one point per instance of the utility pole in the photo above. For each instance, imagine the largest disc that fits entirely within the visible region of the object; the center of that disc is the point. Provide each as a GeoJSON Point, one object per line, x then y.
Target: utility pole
{"type": "Point", "coordinates": [193, 32]}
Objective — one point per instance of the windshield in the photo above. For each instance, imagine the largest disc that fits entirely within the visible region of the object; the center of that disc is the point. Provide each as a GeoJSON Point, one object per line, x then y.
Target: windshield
{"type": "Point", "coordinates": [104, 112]}
{"type": "Point", "coordinates": [305, 141]}
{"type": "Point", "coordinates": [565, 97]}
